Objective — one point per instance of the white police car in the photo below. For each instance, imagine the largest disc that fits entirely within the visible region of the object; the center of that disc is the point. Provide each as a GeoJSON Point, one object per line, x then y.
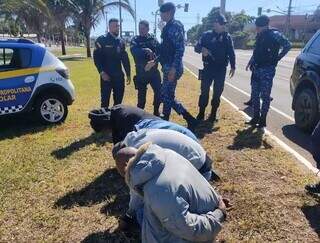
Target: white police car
{"type": "Point", "coordinates": [33, 80]}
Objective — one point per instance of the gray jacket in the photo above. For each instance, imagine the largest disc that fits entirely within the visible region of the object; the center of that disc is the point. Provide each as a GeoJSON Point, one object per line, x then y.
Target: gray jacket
{"type": "Point", "coordinates": [179, 204]}
{"type": "Point", "coordinates": [169, 139]}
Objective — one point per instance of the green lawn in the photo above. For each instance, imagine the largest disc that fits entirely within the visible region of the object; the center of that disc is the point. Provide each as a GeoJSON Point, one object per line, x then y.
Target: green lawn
{"type": "Point", "coordinates": [58, 184]}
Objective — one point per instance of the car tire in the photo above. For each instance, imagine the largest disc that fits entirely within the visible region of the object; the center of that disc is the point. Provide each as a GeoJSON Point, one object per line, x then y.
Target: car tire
{"type": "Point", "coordinates": [306, 113]}
{"type": "Point", "coordinates": [51, 109]}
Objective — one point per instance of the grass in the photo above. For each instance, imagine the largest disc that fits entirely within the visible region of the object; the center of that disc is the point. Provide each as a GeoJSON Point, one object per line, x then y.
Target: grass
{"type": "Point", "coordinates": [58, 184]}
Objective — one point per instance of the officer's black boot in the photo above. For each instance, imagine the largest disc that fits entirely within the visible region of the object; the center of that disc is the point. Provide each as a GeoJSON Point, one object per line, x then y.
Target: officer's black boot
{"type": "Point", "coordinates": [249, 102]}
{"type": "Point", "coordinates": [192, 122]}
{"type": "Point", "coordinates": [313, 189]}
{"type": "Point", "coordinates": [262, 121]}
{"type": "Point", "coordinates": [200, 115]}
{"type": "Point", "coordinates": [254, 121]}
{"type": "Point", "coordinates": [213, 115]}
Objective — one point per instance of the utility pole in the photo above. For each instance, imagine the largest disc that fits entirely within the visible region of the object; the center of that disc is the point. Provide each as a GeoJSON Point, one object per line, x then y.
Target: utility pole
{"type": "Point", "coordinates": [135, 17]}
{"type": "Point", "coordinates": [223, 7]}
{"type": "Point", "coordinates": [289, 18]}
{"type": "Point", "coordinates": [198, 19]}
{"type": "Point", "coordinates": [120, 17]}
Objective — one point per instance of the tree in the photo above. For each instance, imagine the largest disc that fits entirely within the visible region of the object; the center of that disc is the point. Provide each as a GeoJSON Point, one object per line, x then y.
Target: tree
{"type": "Point", "coordinates": [88, 13]}
{"type": "Point", "coordinates": [61, 11]}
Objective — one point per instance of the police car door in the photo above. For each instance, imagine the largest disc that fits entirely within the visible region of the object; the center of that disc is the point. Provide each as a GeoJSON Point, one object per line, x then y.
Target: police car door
{"type": "Point", "coordinates": [16, 79]}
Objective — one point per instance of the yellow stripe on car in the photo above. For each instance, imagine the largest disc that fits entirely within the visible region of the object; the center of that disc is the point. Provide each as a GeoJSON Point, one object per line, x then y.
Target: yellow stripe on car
{"type": "Point", "coordinates": [25, 72]}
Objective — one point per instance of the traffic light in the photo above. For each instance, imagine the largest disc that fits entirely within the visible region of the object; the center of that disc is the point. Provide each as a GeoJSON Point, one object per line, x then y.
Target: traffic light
{"type": "Point", "coordinates": [160, 2]}
{"type": "Point", "coordinates": [186, 7]}
{"type": "Point", "coordinates": [259, 11]}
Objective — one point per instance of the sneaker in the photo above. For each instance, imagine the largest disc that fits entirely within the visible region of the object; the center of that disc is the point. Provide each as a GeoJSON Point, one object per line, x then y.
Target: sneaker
{"type": "Point", "coordinates": [313, 189]}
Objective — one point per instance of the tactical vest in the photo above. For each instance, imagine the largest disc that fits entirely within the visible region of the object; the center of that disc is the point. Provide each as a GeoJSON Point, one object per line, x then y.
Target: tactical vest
{"type": "Point", "coordinates": [217, 44]}
{"type": "Point", "coordinates": [266, 51]}
{"type": "Point", "coordinates": [167, 48]}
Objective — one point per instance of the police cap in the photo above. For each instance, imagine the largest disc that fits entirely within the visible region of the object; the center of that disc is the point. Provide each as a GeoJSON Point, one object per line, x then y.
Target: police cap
{"type": "Point", "coordinates": [166, 7]}
{"type": "Point", "coordinates": [262, 21]}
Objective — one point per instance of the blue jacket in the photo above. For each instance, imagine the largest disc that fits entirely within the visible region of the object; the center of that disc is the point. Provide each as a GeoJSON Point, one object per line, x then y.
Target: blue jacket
{"type": "Point", "coordinates": [178, 207]}
{"type": "Point", "coordinates": [162, 124]}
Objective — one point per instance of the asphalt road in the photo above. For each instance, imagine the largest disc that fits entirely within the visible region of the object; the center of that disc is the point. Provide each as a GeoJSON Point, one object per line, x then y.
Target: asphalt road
{"type": "Point", "coordinates": [280, 118]}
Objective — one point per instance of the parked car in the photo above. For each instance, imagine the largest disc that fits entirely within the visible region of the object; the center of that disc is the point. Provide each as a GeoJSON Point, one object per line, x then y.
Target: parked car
{"type": "Point", "coordinates": [33, 80]}
{"type": "Point", "coordinates": [305, 85]}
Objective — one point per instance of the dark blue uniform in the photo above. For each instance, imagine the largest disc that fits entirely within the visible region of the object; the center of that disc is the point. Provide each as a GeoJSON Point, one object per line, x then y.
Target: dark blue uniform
{"type": "Point", "coordinates": [171, 53]}
{"type": "Point", "coordinates": [263, 65]}
{"type": "Point", "coordinates": [108, 56]}
{"type": "Point", "coordinates": [221, 51]}
{"type": "Point", "coordinates": [138, 45]}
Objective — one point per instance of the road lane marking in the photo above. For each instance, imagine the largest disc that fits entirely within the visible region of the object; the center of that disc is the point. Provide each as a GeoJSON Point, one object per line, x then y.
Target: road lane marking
{"type": "Point", "coordinates": [247, 94]}
{"type": "Point", "coordinates": [282, 144]}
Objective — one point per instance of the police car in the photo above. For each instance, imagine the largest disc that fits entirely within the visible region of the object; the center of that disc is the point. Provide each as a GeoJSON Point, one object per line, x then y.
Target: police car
{"type": "Point", "coordinates": [33, 80]}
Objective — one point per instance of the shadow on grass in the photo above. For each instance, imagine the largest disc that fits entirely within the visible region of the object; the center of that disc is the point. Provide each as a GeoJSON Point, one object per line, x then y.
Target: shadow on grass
{"type": "Point", "coordinates": [17, 126]}
{"type": "Point", "coordinates": [205, 127]}
{"type": "Point", "coordinates": [72, 58]}
{"type": "Point", "coordinates": [249, 138]}
{"type": "Point", "coordinates": [111, 237]}
{"type": "Point", "coordinates": [98, 138]}
{"type": "Point", "coordinates": [106, 187]}
{"type": "Point", "coordinates": [312, 214]}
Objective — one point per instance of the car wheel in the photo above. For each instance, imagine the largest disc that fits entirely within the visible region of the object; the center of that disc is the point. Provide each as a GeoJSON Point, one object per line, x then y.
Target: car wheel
{"type": "Point", "coordinates": [306, 112]}
{"type": "Point", "coordinates": [51, 109]}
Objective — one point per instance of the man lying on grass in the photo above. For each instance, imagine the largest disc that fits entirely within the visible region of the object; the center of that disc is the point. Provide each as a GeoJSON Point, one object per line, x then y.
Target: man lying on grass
{"type": "Point", "coordinates": [122, 119]}
{"type": "Point", "coordinates": [179, 203]}
{"type": "Point", "coordinates": [167, 139]}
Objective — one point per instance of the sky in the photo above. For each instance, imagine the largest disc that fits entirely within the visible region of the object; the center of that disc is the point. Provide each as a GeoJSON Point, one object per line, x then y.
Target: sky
{"type": "Point", "coordinates": [201, 8]}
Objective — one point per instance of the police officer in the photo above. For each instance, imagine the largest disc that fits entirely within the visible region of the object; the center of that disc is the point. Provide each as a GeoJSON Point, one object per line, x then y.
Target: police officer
{"type": "Point", "coordinates": [144, 48]}
{"type": "Point", "coordinates": [171, 53]}
{"type": "Point", "coordinates": [108, 56]}
{"type": "Point", "coordinates": [217, 51]}
{"type": "Point", "coordinates": [263, 62]}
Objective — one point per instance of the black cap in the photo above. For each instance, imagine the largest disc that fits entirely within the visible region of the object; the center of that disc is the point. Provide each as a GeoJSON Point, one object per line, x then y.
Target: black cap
{"type": "Point", "coordinates": [219, 18]}
{"type": "Point", "coordinates": [262, 21]}
{"type": "Point", "coordinates": [166, 7]}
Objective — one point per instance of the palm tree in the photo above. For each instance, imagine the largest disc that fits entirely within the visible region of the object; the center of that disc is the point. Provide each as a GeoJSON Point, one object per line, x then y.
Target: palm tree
{"type": "Point", "coordinates": [33, 13]}
{"type": "Point", "coordinates": [88, 13]}
{"type": "Point", "coordinates": [61, 11]}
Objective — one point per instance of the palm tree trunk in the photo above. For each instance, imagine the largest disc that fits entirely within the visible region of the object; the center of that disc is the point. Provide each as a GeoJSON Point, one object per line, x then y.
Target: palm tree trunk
{"type": "Point", "coordinates": [87, 34]}
{"type": "Point", "coordinates": [63, 45]}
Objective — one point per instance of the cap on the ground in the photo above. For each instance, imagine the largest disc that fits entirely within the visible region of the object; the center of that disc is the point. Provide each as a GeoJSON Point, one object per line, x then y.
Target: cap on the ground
{"type": "Point", "coordinates": [166, 7]}
{"type": "Point", "coordinates": [262, 21]}
{"type": "Point", "coordinates": [219, 18]}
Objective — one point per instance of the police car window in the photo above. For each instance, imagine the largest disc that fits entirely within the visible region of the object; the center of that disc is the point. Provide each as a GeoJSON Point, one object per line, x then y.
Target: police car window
{"type": "Point", "coordinates": [315, 46]}
{"type": "Point", "coordinates": [13, 59]}
{"type": "Point", "coordinates": [5, 56]}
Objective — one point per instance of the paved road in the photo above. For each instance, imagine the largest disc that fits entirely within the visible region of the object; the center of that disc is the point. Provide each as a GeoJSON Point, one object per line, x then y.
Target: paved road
{"type": "Point", "coordinates": [237, 90]}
